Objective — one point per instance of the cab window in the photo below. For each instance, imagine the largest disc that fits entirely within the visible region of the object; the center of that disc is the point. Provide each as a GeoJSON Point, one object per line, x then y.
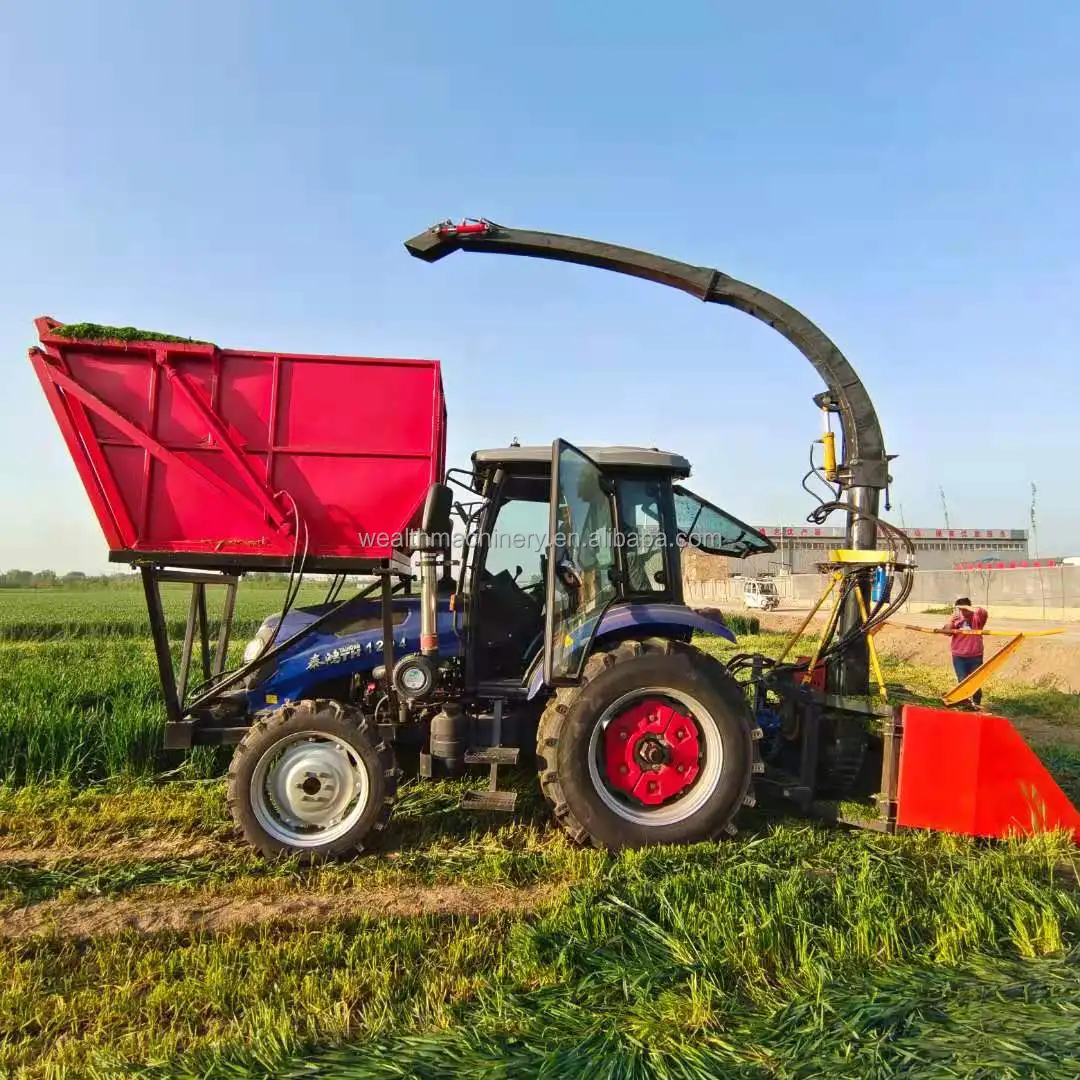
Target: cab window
{"type": "Point", "coordinates": [643, 537]}
{"type": "Point", "coordinates": [711, 530]}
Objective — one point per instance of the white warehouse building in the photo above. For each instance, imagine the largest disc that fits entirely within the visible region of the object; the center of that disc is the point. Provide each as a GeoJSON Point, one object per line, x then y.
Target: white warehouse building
{"type": "Point", "coordinates": [799, 548]}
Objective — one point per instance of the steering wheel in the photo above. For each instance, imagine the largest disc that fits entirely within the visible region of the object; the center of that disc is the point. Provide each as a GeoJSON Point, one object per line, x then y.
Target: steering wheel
{"type": "Point", "coordinates": [533, 593]}
{"type": "Point", "coordinates": [536, 590]}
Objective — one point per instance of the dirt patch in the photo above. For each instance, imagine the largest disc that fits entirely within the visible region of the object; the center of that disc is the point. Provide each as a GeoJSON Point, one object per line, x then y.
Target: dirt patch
{"type": "Point", "coordinates": [118, 851]}
{"type": "Point", "coordinates": [147, 915]}
{"type": "Point", "coordinates": [1044, 663]}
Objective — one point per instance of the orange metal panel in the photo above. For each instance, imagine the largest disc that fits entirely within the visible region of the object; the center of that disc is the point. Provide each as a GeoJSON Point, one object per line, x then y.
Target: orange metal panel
{"type": "Point", "coordinates": [972, 773]}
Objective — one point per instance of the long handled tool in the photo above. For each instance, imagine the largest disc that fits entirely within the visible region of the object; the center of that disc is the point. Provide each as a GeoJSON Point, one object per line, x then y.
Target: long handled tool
{"type": "Point", "coordinates": [967, 686]}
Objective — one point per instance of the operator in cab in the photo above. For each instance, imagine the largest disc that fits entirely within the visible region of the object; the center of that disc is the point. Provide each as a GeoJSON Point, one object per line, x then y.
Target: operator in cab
{"type": "Point", "coordinates": [967, 649]}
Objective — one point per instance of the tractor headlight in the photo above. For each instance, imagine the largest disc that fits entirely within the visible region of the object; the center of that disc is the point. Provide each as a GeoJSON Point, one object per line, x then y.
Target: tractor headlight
{"type": "Point", "coordinates": [257, 645]}
{"type": "Point", "coordinates": [253, 649]}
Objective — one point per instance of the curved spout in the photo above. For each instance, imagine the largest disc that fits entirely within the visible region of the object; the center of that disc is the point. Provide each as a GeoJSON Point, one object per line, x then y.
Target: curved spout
{"type": "Point", "coordinates": [865, 462]}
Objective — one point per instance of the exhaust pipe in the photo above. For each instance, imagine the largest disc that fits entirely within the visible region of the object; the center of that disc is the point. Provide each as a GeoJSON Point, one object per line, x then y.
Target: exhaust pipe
{"type": "Point", "coordinates": [429, 586]}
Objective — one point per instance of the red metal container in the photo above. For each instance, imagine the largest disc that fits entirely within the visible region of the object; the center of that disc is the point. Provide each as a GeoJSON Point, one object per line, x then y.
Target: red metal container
{"type": "Point", "coordinates": [194, 455]}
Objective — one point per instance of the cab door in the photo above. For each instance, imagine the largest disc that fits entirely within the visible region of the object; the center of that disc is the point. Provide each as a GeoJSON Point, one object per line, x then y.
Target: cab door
{"type": "Point", "coordinates": [581, 573]}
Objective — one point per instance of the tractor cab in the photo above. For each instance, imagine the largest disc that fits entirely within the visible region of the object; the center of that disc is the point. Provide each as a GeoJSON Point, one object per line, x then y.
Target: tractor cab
{"type": "Point", "coordinates": [567, 537]}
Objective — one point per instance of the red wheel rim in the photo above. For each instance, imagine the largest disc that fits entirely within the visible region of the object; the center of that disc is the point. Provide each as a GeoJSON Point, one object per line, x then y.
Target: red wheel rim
{"type": "Point", "coordinates": [652, 752]}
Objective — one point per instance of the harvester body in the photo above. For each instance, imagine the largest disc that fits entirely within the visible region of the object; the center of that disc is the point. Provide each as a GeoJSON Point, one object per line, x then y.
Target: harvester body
{"type": "Point", "coordinates": [193, 455]}
{"type": "Point", "coordinates": [559, 637]}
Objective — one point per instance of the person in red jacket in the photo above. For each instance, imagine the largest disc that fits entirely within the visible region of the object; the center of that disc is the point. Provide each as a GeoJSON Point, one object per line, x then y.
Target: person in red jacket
{"type": "Point", "coordinates": [967, 649]}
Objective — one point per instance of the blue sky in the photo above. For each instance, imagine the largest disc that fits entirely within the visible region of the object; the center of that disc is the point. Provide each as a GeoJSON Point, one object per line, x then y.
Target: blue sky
{"type": "Point", "coordinates": [905, 174]}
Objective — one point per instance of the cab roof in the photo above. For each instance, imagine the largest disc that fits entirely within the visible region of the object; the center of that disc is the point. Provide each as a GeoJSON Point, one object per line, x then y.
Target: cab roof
{"type": "Point", "coordinates": [621, 457]}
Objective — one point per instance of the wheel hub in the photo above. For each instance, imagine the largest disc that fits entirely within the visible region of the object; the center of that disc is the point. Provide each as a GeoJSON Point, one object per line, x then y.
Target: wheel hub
{"type": "Point", "coordinates": [652, 752]}
{"type": "Point", "coordinates": [313, 783]}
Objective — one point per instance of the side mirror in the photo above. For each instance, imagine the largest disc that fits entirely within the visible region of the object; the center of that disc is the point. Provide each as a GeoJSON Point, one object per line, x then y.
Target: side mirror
{"type": "Point", "coordinates": [517, 572]}
{"type": "Point", "coordinates": [435, 521]}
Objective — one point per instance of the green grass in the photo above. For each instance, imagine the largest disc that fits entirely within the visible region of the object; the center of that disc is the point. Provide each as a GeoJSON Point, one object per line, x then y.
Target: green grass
{"type": "Point", "coordinates": [83, 710]}
{"type": "Point", "coordinates": [1002, 1019]}
{"type": "Point", "coordinates": [743, 625]}
{"type": "Point", "coordinates": [789, 950]}
{"type": "Point", "coordinates": [793, 951]}
{"type": "Point", "coordinates": [52, 614]}
{"type": "Point", "coordinates": [96, 332]}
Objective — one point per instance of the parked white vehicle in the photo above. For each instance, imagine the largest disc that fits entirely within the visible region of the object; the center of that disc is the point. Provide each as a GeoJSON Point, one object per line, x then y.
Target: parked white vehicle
{"type": "Point", "coordinates": [760, 593]}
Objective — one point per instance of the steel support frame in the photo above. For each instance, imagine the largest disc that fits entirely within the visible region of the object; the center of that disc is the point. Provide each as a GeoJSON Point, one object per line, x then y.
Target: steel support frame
{"type": "Point", "coordinates": [174, 680]}
{"type": "Point", "coordinates": [890, 728]}
{"type": "Point", "coordinates": [187, 721]}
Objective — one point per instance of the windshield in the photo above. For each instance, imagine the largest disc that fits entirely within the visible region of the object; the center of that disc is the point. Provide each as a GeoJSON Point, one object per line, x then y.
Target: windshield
{"type": "Point", "coordinates": [706, 527]}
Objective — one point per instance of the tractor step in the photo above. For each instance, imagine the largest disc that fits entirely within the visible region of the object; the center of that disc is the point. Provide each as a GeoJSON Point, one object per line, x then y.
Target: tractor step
{"type": "Point", "coordinates": [492, 755]}
{"type": "Point", "coordinates": [489, 800]}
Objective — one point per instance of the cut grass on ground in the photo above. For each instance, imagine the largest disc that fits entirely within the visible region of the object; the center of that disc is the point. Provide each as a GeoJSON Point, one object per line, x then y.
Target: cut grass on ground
{"type": "Point", "coordinates": [663, 953]}
{"type": "Point", "coordinates": [485, 946]}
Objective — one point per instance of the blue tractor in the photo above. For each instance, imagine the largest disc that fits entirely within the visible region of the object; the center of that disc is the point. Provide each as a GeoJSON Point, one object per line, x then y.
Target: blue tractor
{"type": "Point", "coordinates": [565, 633]}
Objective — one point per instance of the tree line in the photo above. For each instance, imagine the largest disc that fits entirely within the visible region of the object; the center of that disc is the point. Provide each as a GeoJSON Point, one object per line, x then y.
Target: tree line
{"type": "Point", "coordinates": [122, 579]}
{"type": "Point", "coordinates": [49, 579]}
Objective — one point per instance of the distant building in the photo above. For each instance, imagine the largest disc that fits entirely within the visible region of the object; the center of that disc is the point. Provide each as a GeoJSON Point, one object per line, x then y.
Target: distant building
{"type": "Point", "coordinates": [799, 548]}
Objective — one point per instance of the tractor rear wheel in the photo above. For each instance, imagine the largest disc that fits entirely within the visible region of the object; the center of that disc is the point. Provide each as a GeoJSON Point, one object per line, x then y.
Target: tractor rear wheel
{"type": "Point", "coordinates": [656, 745]}
{"type": "Point", "coordinates": [311, 779]}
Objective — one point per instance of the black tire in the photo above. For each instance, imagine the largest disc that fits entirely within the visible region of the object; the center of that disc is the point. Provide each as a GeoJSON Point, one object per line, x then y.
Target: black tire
{"type": "Point", "coordinates": [344, 723]}
{"type": "Point", "coordinates": [566, 728]}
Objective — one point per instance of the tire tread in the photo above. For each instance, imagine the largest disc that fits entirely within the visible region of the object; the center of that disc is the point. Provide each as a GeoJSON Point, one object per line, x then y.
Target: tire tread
{"type": "Point", "coordinates": [262, 732]}
{"type": "Point", "coordinates": [554, 717]}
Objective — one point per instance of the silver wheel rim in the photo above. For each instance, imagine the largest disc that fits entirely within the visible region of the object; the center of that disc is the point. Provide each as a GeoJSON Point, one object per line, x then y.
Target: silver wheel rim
{"type": "Point", "coordinates": [687, 803]}
{"type": "Point", "coordinates": [309, 789]}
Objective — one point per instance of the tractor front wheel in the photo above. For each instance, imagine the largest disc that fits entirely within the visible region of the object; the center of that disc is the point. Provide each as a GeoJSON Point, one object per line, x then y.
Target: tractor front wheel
{"type": "Point", "coordinates": [656, 745]}
{"type": "Point", "coordinates": [311, 779]}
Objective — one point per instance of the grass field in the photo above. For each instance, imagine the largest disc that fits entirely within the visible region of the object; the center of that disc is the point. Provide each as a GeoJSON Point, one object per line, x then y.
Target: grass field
{"type": "Point", "coordinates": [138, 937]}
{"type": "Point", "coordinates": [52, 614]}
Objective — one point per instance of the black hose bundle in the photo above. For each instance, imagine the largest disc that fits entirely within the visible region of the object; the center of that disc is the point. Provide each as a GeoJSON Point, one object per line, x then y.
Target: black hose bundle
{"type": "Point", "coordinates": [903, 557]}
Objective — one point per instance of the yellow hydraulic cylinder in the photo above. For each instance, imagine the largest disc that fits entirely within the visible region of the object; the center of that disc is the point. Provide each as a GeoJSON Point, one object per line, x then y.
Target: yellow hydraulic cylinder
{"type": "Point", "coordinates": [829, 442]}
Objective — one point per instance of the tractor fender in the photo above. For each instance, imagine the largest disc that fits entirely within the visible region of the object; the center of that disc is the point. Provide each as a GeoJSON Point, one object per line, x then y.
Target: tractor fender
{"type": "Point", "coordinates": [639, 618]}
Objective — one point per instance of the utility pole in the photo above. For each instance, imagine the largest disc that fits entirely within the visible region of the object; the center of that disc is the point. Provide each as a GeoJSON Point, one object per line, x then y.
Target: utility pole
{"type": "Point", "coordinates": [1035, 547]}
{"type": "Point", "coordinates": [948, 527]}
{"type": "Point", "coordinates": [1034, 526]}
